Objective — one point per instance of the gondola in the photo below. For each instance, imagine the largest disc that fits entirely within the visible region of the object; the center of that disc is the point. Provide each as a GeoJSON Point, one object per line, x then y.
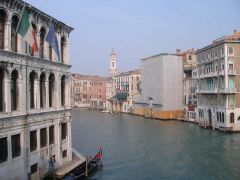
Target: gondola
{"type": "Point", "coordinates": [86, 168]}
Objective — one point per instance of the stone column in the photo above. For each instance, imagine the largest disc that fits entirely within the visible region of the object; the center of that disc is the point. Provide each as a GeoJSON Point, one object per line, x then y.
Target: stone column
{"type": "Point", "coordinates": [7, 39]}
{"type": "Point", "coordinates": [67, 53]}
{"type": "Point", "coordinates": [7, 94]}
{"type": "Point", "coordinates": [69, 129]}
{"type": "Point", "coordinates": [36, 94]}
{"type": "Point", "coordinates": [37, 54]}
{"type": "Point", "coordinates": [20, 94]}
{"type": "Point", "coordinates": [59, 139]}
{"type": "Point", "coordinates": [47, 93]}
{"type": "Point", "coordinates": [55, 95]}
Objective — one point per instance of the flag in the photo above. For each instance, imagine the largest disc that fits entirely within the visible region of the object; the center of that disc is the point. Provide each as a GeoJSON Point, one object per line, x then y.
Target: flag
{"type": "Point", "coordinates": [99, 154]}
{"type": "Point", "coordinates": [52, 40]}
{"type": "Point", "coordinates": [26, 31]}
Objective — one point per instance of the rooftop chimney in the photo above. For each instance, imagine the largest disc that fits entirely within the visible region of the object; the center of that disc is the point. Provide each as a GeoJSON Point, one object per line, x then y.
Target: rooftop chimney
{"type": "Point", "coordinates": [178, 51]}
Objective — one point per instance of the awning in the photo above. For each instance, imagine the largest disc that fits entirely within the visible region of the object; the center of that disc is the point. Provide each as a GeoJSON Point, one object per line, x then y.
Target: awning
{"type": "Point", "coordinates": [77, 159]}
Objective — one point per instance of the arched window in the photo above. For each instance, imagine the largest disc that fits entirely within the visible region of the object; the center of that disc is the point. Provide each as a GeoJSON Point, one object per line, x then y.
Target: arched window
{"type": "Point", "coordinates": [51, 89]}
{"type": "Point", "coordinates": [63, 84]}
{"type": "Point", "coordinates": [217, 117]}
{"type": "Point", "coordinates": [3, 17]}
{"type": "Point", "coordinates": [189, 57]}
{"type": "Point", "coordinates": [42, 40]}
{"type": "Point", "coordinates": [13, 33]}
{"type": "Point", "coordinates": [63, 50]}
{"type": "Point", "coordinates": [14, 90]}
{"type": "Point", "coordinates": [1, 89]}
{"type": "Point", "coordinates": [32, 78]}
{"type": "Point", "coordinates": [42, 90]}
{"type": "Point", "coordinates": [222, 117]}
{"type": "Point", "coordinates": [232, 117]}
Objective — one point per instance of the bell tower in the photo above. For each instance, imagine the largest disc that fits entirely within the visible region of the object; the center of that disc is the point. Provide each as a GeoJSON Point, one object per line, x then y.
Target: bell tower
{"type": "Point", "coordinates": [113, 64]}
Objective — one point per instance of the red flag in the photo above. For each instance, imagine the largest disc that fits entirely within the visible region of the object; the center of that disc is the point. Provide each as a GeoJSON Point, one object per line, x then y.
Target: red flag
{"type": "Point", "coordinates": [34, 46]}
{"type": "Point", "coordinates": [99, 154]}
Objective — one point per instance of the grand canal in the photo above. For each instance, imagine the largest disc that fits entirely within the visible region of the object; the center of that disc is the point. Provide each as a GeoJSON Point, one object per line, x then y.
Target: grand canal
{"type": "Point", "coordinates": [139, 148]}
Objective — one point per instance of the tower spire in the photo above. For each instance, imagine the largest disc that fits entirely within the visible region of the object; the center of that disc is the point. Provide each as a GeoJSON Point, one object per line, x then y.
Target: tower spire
{"type": "Point", "coordinates": [113, 63]}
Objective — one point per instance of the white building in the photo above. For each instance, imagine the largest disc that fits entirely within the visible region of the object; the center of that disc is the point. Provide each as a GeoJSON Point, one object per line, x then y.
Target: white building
{"type": "Point", "coordinates": [218, 83]}
{"type": "Point", "coordinates": [162, 86]}
{"type": "Point", "coordinates": [35, 114]}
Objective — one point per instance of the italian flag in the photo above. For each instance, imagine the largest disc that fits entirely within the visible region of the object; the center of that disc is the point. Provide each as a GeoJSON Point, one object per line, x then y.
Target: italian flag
{"type": "Point", "coordinates": [26, 31]}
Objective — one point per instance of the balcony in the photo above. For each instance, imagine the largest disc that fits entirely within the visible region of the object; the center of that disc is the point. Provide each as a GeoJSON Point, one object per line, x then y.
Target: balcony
{"type": "Point", "coordinates": [221, 73]}
{"type": "Point", "coordinates": [201, 76]}
{"type": "Point", "coordinates": [232, 72]}
{"type": "Point", "coordinates": [208, 75]}
{"type": "Point", "coordinates": [207, 91]}
{"type": "Point", "coordinates": [228, 90]}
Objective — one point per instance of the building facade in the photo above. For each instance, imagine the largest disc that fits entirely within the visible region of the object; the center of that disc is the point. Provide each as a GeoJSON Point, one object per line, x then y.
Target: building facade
{"type": "Point", "coordinates": [162, 87]}
{"type": "Point", "coordinates": [218, 84]}
{"type": "Point", "coordinates": [189, 83]}
{"type": "Point", "coordinates": [35, 114]}
{"type": "Point", "coordinates": [127, 85]}
{"type": "Point", "coordinates": [88, 91]}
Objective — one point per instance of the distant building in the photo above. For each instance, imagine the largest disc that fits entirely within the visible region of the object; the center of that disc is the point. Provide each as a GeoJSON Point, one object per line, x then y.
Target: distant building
{"type": "Point", "coordinates": [189, 83]}
{"type": "Point", "coordinates": [126, 86]}
{"type": "Point", "coordinates": [35, 112]}
{"type": "Point", "coordinates": [219, 83]}
{"type": "Point", "coordinates": [121, 88]}
{"type": "Point", "coordinates": [88, 91]}
{"type": "Point", "coordinates": [109, 94]}
{"type": "Point", "coordinates": [162, 87]}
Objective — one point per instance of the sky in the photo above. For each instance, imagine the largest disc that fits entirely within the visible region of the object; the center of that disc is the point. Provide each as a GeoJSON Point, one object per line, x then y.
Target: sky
{"type": "Point", "coordinates": [138, 28]}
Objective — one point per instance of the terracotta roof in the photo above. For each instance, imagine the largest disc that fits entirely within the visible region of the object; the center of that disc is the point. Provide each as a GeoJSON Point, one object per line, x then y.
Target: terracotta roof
{"type": "Point", "coordinates": [189, 51]}
{"type": "Point", "coordinates": [88, 77]}
{"type": "Point", "coordinates": [127, 73]}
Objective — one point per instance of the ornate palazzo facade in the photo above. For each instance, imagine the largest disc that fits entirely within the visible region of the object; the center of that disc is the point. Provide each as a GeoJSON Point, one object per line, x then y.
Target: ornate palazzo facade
{"type": "Point", "coordinates": [218, 83]}
{"type": "Point", "coordinates": [35, 117]}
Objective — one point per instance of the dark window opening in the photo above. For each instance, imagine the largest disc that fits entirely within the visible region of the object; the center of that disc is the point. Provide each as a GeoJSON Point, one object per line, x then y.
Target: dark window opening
{"type": "Point", "coordinates": [14, 90]}
{"type": "Point", "coordinates": [34, 168]}
{"type": "Point", "coordinates": [3, 17]}
{"type": "Point", "coordinates": [3, 149]}
{"type": "Point", "coordinates": [42, 39]}
{"type": "Point", "coordinates": [51, 89]}
{"type": "Point", "coordinates": [1, 88]}
{"type": "Point", "coordinates": [63, 90]}
{"type": "Point", "coordinates": [64, 153]}
{"type": "Point", "coordinates": [64, 131]}
{"type": "Point", "coordinates": [51, 135]}
{"type": "Point", "coordinates": [16, 145]}
{"type": "Point", "coordinates": [43, 137]}
{"type": "Point", "coordinates": [33, 141]}
{"type": "Point", "coordinates": [63, 46]}
{"type": "Point", "coordinates": [231, 117]}
{"type": "Point", "coordinates": [31, 89]}
{"type": "Point", "coordinates": [42, 90]}
{"type": "Point", "coordinates": [222, 117]}
{"type": "Point", "coordinates": [14, 34]}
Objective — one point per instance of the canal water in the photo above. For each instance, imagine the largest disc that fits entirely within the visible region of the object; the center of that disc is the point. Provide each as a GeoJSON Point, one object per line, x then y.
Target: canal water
{"type": "Point", "coordinates": [139, 148]}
